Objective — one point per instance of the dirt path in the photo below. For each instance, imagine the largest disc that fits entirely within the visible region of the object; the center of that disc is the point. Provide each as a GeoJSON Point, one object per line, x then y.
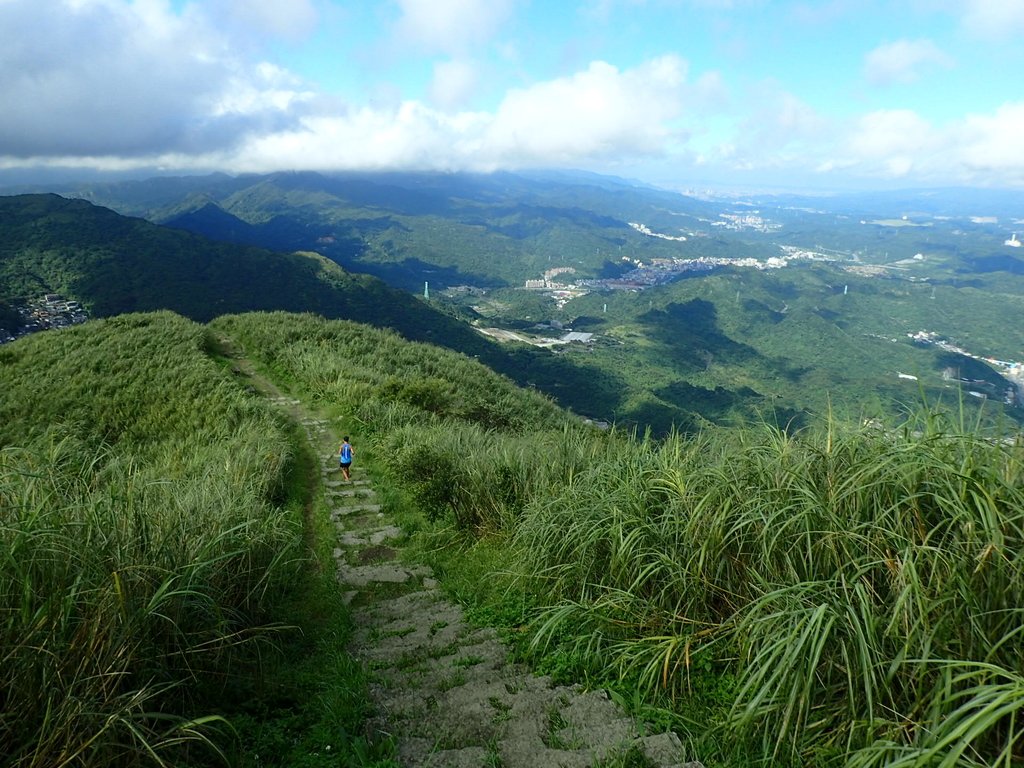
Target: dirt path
{"type": "Point", "coordinates": [444, 690]}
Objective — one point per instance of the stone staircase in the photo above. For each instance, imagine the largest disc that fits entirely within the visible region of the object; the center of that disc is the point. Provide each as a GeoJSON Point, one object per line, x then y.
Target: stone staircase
{"type": "Point", "coordinates": [444, 690]}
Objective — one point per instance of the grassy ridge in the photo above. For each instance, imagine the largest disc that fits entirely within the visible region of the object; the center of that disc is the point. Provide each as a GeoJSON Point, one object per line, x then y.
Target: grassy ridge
{"type": "Point", "coordinates": [848, 595]}
{"type": "Point", "coordinates": [862, 589]}
{"type": "Point", "coordinates": [142, 548]}
{"type": "Point", "coordinates": [865, 588]}
{"type": "Point", "coordinates": [371, 372]}
{"type": "Point", "coordinates": [854, 595]}
{"type": "Point", "coordinates": [113, 264]}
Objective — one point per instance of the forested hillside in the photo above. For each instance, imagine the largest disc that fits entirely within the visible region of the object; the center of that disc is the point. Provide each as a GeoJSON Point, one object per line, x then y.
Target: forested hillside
{"type": "Point", "coordinates": [407, 228]}
{"type": "Point", "coordinates": [733, 344]}
{"type": "Point", "coordinates": [114, 264]}
{"type": "Point", "coordinates": [704, 332]}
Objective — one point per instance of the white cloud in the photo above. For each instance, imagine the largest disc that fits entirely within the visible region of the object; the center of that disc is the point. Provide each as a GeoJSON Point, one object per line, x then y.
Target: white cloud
{"type": "Point", "coordinates": [994, 19]}
{"type": "Point", "coordinates": [991, 146]}
{"type": "Point", "coordinates": [290, 20]}
{"type": "Point", "coordinates": [901, 62]}
{"type": "Point", "coordinates": [598, 113]}
{"type": "Point", "coordinates": [451, 26]}
{"type": "Point", "coordinates": [455, 81]}
{"type": "Point", "coordinates": [709, 93]}
{"type": "Point", "coordinates": [145, 85]}
{"type": "Point", "coordinates": [779, 130]}
{"type": "Point", "coordinates": [887, 144]}
{"type": "Point", "coordinates": [893, 145]}
{"type": "Point", "coordinates": [105, 77]}
{"type": "Point", "coordinates": [900, 144]}
{"type": "Point", "coordinates": [594, 113]}
{"type": "Point", "coordinates": [410, 136]}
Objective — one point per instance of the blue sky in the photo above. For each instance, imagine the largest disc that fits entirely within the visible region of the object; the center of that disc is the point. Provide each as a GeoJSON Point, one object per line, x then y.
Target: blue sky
{"type": "Point", "coordinates": [687, 94]}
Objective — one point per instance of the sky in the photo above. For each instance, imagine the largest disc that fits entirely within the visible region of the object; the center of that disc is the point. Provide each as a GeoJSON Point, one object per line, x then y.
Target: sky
{"type": "Point", "coordinates": [684, 94]}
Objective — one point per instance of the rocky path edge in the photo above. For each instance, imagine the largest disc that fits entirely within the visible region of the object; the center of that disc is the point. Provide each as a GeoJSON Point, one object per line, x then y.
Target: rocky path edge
{"type": "Point", "coordinates": [443, 690]}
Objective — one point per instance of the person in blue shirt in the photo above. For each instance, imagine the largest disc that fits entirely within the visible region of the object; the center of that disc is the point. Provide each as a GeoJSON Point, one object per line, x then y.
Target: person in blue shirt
{"type": "Point", "coordinates": [345, 454]}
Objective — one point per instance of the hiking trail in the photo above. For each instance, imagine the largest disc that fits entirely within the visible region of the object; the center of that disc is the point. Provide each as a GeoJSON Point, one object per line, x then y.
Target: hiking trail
{"type": "Point", "coordinates": [445, 691]}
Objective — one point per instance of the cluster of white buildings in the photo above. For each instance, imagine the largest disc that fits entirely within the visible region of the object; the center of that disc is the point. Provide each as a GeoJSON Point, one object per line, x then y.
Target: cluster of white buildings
{"type": "Point", "coordinates": [50, 311]}
{"type": "Point", "coordinates": [740, 221]}
{"type": "Point", "coordinates": [1010, 370]}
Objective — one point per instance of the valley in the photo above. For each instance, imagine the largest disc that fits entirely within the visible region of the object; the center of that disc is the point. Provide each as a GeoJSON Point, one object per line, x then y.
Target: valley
{"type": "Point", "coordinates": [784, 501]}
{"type": "Point", "coordinates": [511, 384]}
{"type": "Point", "coordinates": [633, 305]}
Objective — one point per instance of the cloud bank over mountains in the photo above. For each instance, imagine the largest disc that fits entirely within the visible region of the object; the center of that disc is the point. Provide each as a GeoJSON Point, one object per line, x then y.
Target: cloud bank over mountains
{"type": "Point", "coordinates": [239, 86]}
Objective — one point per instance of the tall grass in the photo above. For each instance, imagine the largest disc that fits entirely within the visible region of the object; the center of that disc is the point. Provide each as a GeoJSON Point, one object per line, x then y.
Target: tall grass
{"type": "Point", "coordinates": [871, 586]}
{"type": "Point", "coordinates": [865, 587]}
{"type": "Point", "coordinates": [354, 367]}
{"type": "Point", "coordinates": [479, 478]}
{"type": "Point", "coordinates": [140, 547]}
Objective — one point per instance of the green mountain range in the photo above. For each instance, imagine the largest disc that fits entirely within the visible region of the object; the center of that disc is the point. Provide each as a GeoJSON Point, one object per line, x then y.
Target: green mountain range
{"type": "Point", "coordinates": [724, 343]}
{"type": "Point", "coordinates": [408, 228]}
{"type": "Point", "coordinates": [115, 264]}
{"type": "Point", "coordinates": [845, 595]}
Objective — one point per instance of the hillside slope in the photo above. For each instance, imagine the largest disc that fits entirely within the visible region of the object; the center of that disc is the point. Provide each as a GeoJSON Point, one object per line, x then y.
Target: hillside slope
{"type": "Point", "coordinates": [725, 345]}
{"type": "Point", "coordinates": [407, 228]}
{"type": "Point", "coordinates": [114, 264]}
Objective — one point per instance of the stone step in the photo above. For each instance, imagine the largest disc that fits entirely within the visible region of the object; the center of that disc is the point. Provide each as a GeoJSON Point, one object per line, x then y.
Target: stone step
{"type": "Point", "coordinates": [357, 522]}
{"type": "Point", "coordinates": [383, 573]}
{"type": "Point", "coordinates": [352, 493]}
{"type": "Point", "coordinates": [333, 469]}
{"type": "Point", "coordinates": [354, 509]}
{"type": "Point", "coordinates": [370, 538]}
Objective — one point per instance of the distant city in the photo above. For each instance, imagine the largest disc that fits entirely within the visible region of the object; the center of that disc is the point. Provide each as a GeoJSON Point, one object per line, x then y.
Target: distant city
{"type": "Point", "coordinates": [44, 313]}
{"type": "Point", "coordinates": [658, 271]}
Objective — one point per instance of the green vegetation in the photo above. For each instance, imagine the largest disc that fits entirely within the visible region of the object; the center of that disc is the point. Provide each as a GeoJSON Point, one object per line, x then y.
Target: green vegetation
{"type": "Point", "coordinates": [143, 546]}
{"type": "Point", "coordinates": [855, 596]}
{"type": "Point", "coordinates": [381, 377]}
{"type": "Point", "coordinates": [784, 346]}
{"type": "Point", "coordinates": [779, 586]}
{"type": "Point", "coordinates": [113, 265]}
{"type": "Point", "coordinates": [862, 586]}
{"type": "Point", "coordinates": [735, 346]}
{"type": "Point", "coordinates": [449, 229]}
{"type": "Point", "coordinates": [158, 601]}
{"type": "Point", "coordinates": [839, 595]}
{"type": "Point", "coordinates": [843, 596]}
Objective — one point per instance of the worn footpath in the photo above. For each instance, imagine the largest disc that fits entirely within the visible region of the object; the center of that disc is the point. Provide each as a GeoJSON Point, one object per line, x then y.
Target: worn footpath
{"type": "Point", "coordinates": [443, 690]}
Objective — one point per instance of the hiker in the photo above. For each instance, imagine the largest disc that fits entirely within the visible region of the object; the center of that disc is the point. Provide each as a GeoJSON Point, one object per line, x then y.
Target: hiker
{"type": "Point", "coordinates": [345, 454]}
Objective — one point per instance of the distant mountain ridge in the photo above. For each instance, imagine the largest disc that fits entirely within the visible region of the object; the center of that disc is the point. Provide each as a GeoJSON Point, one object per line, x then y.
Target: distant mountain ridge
{"type": "Point", "coordinates": [728, 342]}
{"type": "Point", "coordinates": [115, 264]}
{"type": "Point", "coordinates": [408, 228]}
{"type": "Point", "coordinates": [502, 228]}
